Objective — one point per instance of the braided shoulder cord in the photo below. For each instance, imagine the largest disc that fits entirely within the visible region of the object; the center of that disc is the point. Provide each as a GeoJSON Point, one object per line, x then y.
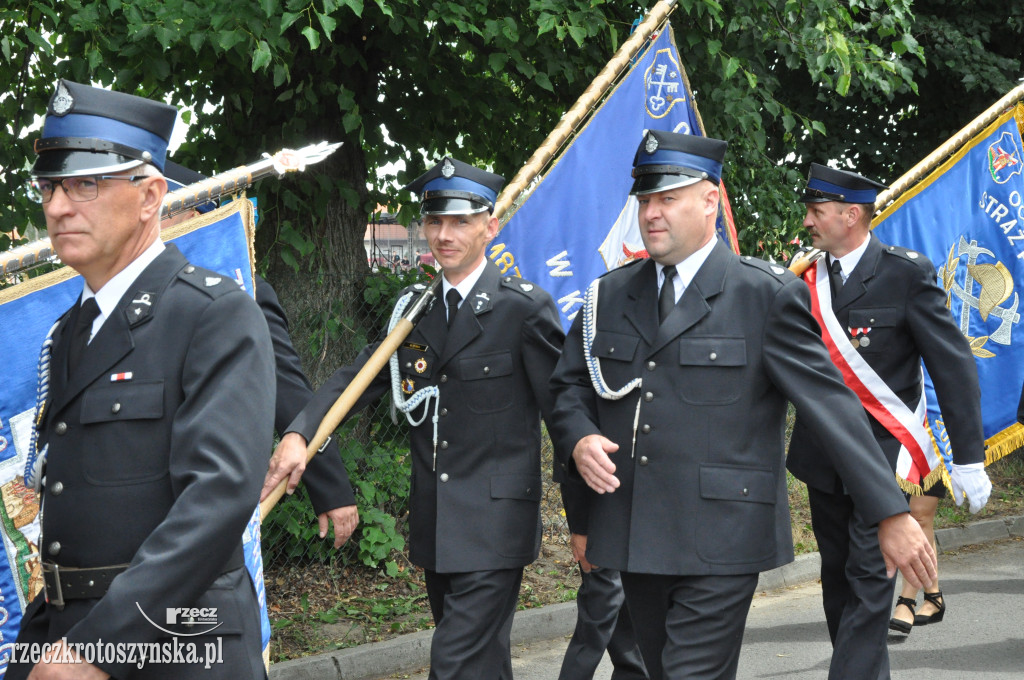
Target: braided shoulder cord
{"type": "Point", "coordinates": [418, 397]}
{"type": "Point", "coordinates": [36, 459]}
{"type": "Point", "coordinates": [594, 364]}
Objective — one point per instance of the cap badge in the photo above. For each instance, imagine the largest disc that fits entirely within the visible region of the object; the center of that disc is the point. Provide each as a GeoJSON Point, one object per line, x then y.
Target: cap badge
{"type": "Point", "coordinates": [652, 144]}
{"type": "Point", "coordinates": [447, 168]}
{"type": "Point", "coordinates": [62, 101]}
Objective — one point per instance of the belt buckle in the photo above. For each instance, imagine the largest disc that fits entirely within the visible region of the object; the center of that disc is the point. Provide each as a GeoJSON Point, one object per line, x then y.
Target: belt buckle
{"type": "Point", "coordinates": [55, 599]}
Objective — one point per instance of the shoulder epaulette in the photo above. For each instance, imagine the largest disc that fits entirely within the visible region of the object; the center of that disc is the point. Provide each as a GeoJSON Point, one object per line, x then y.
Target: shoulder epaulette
{"type": "Point", "coordinates": [209, 282]}
{"type": "Point", "coordinates": [919, 260]}
{"type": "Point", "coordinates": [527, 288]}
{"type": "Point", "coordinates": [773, 268]}
{"type": "Point", "coordinates": [905, 253]}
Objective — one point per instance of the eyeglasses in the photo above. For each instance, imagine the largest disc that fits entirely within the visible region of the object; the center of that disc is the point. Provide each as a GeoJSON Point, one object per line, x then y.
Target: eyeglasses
{"type": "Point", "coordinates": [76, 188]}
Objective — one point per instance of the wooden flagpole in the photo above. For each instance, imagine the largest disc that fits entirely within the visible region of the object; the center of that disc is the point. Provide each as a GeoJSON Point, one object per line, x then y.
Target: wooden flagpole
{"type": "Point", "coordinates": [912, 176]}
{"type": "Point", "coordinates": [579, 111]}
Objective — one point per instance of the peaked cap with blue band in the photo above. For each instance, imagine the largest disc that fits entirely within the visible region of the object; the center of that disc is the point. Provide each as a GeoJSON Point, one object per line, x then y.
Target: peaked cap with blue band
{"type": "Point", "coordinates": [826, 184]}
{"type": "Point", "coordinates": [89, 130]}
{"type": "Point", "coordinates": [669, 160]}
{"type": "Point", "coordinates": [455, 188]}
{"type": "Point", "coordinates": [179, 177]}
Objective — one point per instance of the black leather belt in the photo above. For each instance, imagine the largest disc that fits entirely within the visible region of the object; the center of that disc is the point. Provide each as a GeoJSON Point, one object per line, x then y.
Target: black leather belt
{"type": "Point", "coordinates": [61, 584]}
{"type": "Point", "coordinates": [70, 583]}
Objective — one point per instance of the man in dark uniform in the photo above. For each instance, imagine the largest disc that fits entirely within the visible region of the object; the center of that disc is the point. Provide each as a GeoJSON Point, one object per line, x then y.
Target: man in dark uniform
{"type": "Point", "coordinates": [602, 616]}
{"type": "Point", "coordinates": [481, 357]}
{"type": "Point", "coordinates": [886, 303]}
{"type": "Point", "coordinates": [150, 435]}
{"type": "Point", "coordinates": [1020, 408]}
{"type": "Point", "coordinates": [328, 485]}
{"type": "Point", "coordinates": [672, 397]}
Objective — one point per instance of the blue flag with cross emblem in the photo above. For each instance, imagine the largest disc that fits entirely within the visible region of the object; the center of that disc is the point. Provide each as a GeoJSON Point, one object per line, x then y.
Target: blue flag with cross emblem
{"type": "Point", "coordinates": [967, 216]}
{"type": "Point", "coordinates": [580, 221]}
{"type": "Point", "coordinates": [219, 240]}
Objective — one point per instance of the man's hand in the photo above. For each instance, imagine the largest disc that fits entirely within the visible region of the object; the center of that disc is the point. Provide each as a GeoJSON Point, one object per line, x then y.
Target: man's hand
{"type": "Point", "coordinates": [345, 520]}
{"type": "Point", "coordinates": [904, 546]}
{"type": "Point", "coordinates": [54, 666]}
{"type": "Point", "coordinates": [973, 481]}
{"type": "Point", "coordinates": [289, 460]}
{"type": "Point", "coordinates": [596, 468]}
{"type": "Point", "coordinates": [578, 543]}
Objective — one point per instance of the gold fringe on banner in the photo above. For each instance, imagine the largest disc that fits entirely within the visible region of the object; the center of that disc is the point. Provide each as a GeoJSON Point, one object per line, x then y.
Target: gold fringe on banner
{"type": "Point", "coordinates": [1004, 443]}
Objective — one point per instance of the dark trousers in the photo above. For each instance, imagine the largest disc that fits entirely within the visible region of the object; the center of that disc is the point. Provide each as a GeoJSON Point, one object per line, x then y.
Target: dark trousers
{"type": "Point", "coordinates": [602, 622]}
{"type": "Point", "coordinates": [856, 593]}
{"type": "Point", "coordinates": [689, 626]}
{"type": "Point", "coordinates": [473, 623]}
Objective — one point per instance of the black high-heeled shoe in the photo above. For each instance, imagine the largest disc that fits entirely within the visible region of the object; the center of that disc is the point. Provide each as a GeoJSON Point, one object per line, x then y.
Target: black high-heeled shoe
{"type": "Point", "coordinates": [937, 600]}
{"type": "Point", "coordinates": [903, 626]}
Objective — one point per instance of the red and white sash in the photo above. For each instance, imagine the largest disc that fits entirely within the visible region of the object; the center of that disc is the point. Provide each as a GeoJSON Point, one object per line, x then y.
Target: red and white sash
{"type": "Point", "coordinates": [917, 457]}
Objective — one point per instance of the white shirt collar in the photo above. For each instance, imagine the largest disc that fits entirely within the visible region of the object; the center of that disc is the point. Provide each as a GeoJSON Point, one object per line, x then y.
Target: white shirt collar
{"type": "Point", "coordinates": [688, 268]}
{"type": "Point", "coordinates": [466, 285]}
{"type": "Point", "coordinates": [849, 261]}
{"type": "Point", "coordinates": [113, 290]}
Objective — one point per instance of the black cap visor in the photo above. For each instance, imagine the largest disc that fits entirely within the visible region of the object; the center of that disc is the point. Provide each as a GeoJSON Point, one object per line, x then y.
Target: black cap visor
{"type": "Point", "coordinates": [448, 205]}
{"type": "Point", "coordinates": [653, 183]}
{"type": "Point", "coordinates": [819, 196]}
{"type": "Point", "coordinates": [71, 163]}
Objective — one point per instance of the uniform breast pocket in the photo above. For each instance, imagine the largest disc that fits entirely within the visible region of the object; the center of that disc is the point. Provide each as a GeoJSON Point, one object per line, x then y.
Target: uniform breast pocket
{"type": "Point", "coordinates": [487, 382]}
{"type": "Point", "coordinates": [713, 369]}
{"type": "Point", "coordinates": [871, 327]}
{"type": "Point", "coordinates": [416, 362]}
{"type": "Point", "coordinates": [124, 444]}
{"type": "Point", "coordinates": [615, 351]}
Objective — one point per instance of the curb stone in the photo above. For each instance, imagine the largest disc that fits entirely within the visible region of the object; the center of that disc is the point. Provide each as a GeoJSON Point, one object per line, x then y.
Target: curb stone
{"type": "Point", "coordinates": [411, 652]}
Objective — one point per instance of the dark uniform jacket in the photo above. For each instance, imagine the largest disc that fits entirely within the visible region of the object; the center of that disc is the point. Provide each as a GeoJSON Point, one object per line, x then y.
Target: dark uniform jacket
{"type": "Point", "coordinates": [705, 490]}
{"type": "Point", "coordinates": [1020, 408]}
{"type": "Point", "coordinates": [162, 470]}
{"type": "Point", "coordinates": [893, 291]}
{"type": "Point", "coordinates": [479, 509]}
{"type": "Point", "coordinates": [326, 479]}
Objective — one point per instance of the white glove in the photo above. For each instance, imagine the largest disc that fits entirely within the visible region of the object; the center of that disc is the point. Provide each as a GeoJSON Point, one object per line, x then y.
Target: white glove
{"type": "Point", "coordinates": [973, 481]}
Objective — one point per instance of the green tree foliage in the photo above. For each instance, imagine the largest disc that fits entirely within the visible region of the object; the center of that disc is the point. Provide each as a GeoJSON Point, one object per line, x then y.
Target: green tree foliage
{"type": "Point", "coordinates": [402, 81]}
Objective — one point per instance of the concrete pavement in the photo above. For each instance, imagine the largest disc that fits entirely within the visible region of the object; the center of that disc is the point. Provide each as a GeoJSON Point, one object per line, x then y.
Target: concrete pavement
{"type": "Point", "coordinates": [793, 648]}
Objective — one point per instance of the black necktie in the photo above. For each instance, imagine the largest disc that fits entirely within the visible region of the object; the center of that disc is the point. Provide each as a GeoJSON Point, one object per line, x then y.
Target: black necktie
{"type": "Point", "coordinates": [836, 277]}
{"type": "Point", "coordinates": [667, 297]}
{"type": "Point", "coordinates": [452, 297]}
{"type": "Point", "coordinates": [83, 329]}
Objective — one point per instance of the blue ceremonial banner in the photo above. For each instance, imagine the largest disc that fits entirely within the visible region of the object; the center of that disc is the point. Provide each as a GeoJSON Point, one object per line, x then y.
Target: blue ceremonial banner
{"type": "Point", "coordinates": [580, 221]}
{"type": "Point", "coordinates": [968, 217]}
{"type": "Point", "coordinates": [220, 240]}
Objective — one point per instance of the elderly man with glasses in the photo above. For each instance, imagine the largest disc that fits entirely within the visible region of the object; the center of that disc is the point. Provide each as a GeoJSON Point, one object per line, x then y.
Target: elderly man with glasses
{"type": "Point", "coordinates": [153, 429]}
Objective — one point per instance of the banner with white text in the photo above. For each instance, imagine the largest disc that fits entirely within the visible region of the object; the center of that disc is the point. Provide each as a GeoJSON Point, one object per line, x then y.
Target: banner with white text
{"type": "Point", "coordinates": [967, 216]}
